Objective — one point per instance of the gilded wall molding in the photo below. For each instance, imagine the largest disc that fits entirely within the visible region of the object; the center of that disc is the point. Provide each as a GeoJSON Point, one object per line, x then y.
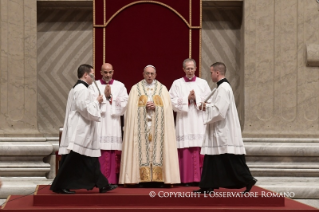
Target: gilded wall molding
{"type": "Point", "coordinates": [141, 2]}
{"type": "Point", "coordinates": [189, 25]}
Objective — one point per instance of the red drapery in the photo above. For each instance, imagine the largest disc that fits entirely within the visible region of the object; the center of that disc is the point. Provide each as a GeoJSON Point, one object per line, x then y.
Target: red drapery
{"type": "Point", "coordinates": [132, 34]}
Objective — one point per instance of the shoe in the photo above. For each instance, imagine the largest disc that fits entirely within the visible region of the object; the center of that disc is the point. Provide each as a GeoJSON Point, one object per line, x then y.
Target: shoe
{"type": "Point", "coordinates": [108, 188]}
{"type": "Point", "coordinates": [64, 191]}
{"type": "Point", "coordinates": [250, 185]}
{"type": "Point", "coordinates": [195, 184]}
{"type": "Point", "coordinates": [204, 190]}
{"type": "Point", "coordinates": [186, 184]}
{"type": "Point", "coordinates": [140, 185]}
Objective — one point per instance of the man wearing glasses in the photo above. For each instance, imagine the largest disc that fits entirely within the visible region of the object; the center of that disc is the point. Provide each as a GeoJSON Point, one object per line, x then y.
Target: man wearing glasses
{"type": "Point", "coordinates": [149, 152]}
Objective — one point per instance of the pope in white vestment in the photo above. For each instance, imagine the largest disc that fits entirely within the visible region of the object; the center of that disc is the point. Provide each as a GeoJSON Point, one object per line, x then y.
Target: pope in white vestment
{"type": "Point", "coordinates": [190, 129]}
{"type": "Point", "coordinates": [149, 152]}
{"type": "Point", "coordinates": [223, 147]}
{"type": "Point", "coordinates": [109, 129]}
{"type": "Point", "coordinates": [79, 146]}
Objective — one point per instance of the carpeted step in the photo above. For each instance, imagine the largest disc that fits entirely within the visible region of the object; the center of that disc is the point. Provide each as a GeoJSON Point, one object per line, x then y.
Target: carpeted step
{"type": "Point", "coordinates": [144, 199]}
{"type": "Point", "coordinates": [177, 196]}
{"type": "Point", "coordinates": [25, 204]}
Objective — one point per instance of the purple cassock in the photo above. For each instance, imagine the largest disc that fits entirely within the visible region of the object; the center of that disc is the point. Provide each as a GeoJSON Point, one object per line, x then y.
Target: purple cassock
{"type": "Point", "coordinates": [190, 128]}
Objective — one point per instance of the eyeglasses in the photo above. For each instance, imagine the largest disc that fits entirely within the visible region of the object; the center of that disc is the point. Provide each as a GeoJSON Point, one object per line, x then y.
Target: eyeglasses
{"type": "Point", "coordinates": [148, 73]}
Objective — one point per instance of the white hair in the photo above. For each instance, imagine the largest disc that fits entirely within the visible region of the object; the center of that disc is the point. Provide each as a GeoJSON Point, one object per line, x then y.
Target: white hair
{"type": "Point", "coordinates": [151, 67]}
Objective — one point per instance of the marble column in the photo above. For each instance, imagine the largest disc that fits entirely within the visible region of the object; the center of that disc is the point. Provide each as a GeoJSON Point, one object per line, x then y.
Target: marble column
{"type": "Point", "coordinates": [22, 147]}
{"type": "Point", "coordinates": [281, 91]}
{"type": "Point", "coordinates": [18, 68]}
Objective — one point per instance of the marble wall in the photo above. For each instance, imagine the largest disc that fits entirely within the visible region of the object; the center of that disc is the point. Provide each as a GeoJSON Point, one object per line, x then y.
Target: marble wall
{"type": "Point", "coordinates": [222, 42]}
{"type": "Point", "coordinates": [64, 33]}
{"type": "Point", "coordinates": [18, 68]}
{"type": "Point", "coordinates": [262, 42]}
{"type": "Point", "coordinates": [280, 91]}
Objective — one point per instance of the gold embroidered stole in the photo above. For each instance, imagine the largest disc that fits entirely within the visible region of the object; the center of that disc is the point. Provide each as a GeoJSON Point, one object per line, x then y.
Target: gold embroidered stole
{"type": "Point", "coordinates": [150, 141]}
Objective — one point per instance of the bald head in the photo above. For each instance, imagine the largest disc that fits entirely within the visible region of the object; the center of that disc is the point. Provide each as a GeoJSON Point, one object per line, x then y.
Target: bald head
{"type": "Point", "coordinates": [107, 72]}
{"type": "Point", "coordinates": [107, 66]}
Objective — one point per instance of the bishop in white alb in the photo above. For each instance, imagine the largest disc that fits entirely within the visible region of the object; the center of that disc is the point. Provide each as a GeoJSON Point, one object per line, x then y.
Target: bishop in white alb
{"type": "Point", "coordinates": [109, 130]}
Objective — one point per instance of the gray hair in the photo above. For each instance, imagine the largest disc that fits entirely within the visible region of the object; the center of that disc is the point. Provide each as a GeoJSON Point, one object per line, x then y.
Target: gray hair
{"type": "Point", "coordinates": [188, 60]}
{"type": "Point", "coordinates": [221, 67]}
{"type": "Point", "coordinates": [151, 67]}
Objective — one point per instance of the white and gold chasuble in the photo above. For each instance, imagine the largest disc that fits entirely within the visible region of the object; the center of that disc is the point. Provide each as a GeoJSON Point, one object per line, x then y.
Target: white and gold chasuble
{"type": "Point", "coordinates": [149, 145]}
{"type": "Point", "coordinates": [150, 132]}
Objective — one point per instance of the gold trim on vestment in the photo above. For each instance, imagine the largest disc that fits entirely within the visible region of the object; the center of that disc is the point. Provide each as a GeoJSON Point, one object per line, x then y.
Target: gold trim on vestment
{"type": "Point", "coordinates": [157, 100]}
{"type": "Point", "coordinates": [157, 174]}
{"type": "Point", "coordinates": [142, 100]}
{"type": "Point", "coordinates": [145, 174]}
{"type": "Point", "coordinates": [150, 138]}
{"type": "Point", "coordinates": [154, 175]}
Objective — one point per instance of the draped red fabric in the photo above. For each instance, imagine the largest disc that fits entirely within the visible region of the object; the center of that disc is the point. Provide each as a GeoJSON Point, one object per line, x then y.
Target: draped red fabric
{"type": "Point", "coordinates": [137, 33]}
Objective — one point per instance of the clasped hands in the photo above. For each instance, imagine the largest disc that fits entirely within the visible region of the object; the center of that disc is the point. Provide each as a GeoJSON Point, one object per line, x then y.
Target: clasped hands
{"type": "Point", "coordinates": [107, 93]}
{"type": "Point", "coordinates": [192, 96]}
{"type": "Point", "coordinates": [150, 106]}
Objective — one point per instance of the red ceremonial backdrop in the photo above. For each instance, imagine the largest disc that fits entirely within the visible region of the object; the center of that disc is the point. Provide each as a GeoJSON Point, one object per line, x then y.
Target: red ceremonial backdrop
{"type": "Point", "coordinates": [132, 34]}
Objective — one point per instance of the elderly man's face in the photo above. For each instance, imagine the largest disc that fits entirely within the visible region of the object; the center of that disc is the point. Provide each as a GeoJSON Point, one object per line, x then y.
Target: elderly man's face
{"type": "Point", "coordinates": [149, 74]}
{"type": "Point", "coordinates": [189, 69]}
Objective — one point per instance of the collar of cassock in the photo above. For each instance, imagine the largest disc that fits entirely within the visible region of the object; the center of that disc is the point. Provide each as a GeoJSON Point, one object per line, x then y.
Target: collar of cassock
{"type": "Point", "coordinates": [221, 81]}
{"type": "Point", "coordinates": [190, 80]}
{"type": "Point", "coordinates": [105, 83]}
{"type": "Point", "coordinates": [149, 85]}
{"type": "Point", "coordinates": [81, 82]}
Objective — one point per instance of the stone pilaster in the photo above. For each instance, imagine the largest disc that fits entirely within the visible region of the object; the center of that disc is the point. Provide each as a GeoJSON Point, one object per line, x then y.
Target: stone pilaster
{"type": "Point", "coordinates": [281, 92]}
{"type": "Point", "coordinates": [18, 67]}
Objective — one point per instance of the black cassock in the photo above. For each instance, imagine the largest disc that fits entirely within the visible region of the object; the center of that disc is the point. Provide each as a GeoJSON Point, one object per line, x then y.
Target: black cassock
{"type": "Point", "coordinates": [226, 171]}
{"type": "Point", "coordinates": [79, 172]}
